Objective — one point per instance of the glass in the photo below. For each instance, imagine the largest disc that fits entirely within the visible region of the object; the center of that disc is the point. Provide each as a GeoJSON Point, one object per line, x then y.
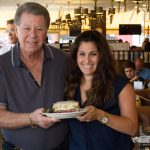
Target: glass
{"type": "Point", "coordinates": [10, 31]}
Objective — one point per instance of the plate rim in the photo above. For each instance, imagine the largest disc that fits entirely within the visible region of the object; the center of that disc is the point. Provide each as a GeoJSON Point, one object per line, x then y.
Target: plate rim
{"type": "Point", "coordinates": [65, 115]}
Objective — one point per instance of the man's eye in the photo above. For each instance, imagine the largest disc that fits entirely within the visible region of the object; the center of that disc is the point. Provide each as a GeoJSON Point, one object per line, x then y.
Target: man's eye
{"type": "Point", "coordinates": [39, 29]}
{"type": "Point", "coordinates": [26, 29]}
{"type": "Point", "coordinates": [8, 31]}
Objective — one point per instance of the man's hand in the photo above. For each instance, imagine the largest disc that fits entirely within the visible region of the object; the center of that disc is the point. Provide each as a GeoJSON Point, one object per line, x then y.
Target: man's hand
{"type": "Point", "coordinates": [39, 119]}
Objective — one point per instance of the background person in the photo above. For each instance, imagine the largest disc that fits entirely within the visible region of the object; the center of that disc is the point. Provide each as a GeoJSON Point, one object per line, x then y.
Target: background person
{"type": "Point", "coordinates": [111, 118]}
{"type": "Point", "coordinates": [140, 70]}
{"type": "Point", "coordinates": [29, 82]}
{"type": "Point", "coordinates": [146, 45]}
{"type": "Point", "coordinates": [129, 70]}
{"type": "Point", "coordinates": [11, 37]}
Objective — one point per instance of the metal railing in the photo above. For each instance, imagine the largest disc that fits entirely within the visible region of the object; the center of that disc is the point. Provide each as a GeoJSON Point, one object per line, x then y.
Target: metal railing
{"type": "Point", "coordinates": [131, 55]}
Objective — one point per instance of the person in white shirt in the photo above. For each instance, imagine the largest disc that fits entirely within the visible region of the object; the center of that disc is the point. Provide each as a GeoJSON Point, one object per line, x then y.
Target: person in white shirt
{"type": "Point", "coordinates": [11, 37]}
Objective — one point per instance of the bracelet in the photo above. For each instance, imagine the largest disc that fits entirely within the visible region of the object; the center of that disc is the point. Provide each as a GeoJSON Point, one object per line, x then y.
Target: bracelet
{"type": "Point", "coordinates": [31, 123]}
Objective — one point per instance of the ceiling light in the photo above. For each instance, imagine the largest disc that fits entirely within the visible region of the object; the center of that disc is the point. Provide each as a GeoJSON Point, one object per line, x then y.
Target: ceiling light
{"type": "Point", "coordinates": [85, 11]}
{"type": "Point", "coordinates": [137, 1]}
{"type": "Point", "coordinates": [99, 10]}
{"type": "Point", "coordinates": [77, 11]}
{"type": "Point", "coordinates": [119, 0]}
{"type": "Point", "coordinates": [68, 17]}
{"type": "Point", "coordinates": [111, 11]}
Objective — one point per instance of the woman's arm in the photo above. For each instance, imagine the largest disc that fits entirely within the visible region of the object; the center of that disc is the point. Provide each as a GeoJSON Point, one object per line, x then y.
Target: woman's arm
{"type": "Point", "coordinates": [127, 122]}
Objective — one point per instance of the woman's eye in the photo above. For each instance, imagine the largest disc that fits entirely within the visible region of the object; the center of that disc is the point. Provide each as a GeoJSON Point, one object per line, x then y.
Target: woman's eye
{"type": "Point", "coordinates": [94, 54]}
{"type": "Point", "coordinates": [81, 54]}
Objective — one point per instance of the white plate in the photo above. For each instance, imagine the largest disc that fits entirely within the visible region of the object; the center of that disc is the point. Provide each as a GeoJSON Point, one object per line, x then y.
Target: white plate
{"type": "Point", "coordinates": [65, 115]}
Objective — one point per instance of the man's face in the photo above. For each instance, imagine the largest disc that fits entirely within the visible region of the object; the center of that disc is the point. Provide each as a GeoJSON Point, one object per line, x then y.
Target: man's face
{"type": "Point", "coordinates": [130, 72]}
{"type": "Point", "coordinates": [11, 34]}
{"type": "Point", "coordinates": [138, 65]}
{"type": "Point", "coordinates": [31, 32]}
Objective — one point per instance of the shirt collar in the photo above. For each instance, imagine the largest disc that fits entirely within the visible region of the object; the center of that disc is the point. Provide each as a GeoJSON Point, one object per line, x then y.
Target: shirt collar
{"type": "Point", "coordinates": [12, 45]}
{"type": "Point", "coordinates": [15, 56]}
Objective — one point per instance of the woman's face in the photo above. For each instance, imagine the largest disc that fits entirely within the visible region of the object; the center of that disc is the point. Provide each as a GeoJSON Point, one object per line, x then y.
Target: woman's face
{"type": "Point", "coordinates": [88, 57]}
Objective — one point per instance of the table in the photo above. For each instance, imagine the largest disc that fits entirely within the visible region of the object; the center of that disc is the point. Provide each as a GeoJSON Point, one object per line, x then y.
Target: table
{"type": "Point", "coordinates": [144, 95]}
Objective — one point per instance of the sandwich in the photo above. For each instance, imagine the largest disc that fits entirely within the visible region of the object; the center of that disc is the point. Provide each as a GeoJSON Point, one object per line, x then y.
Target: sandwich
{"type": "Point", "coordinates": [65, 106]}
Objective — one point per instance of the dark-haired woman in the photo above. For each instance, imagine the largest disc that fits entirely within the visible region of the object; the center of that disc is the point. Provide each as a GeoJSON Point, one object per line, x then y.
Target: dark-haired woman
{"type": "Point", "coordinates": [111, 117]}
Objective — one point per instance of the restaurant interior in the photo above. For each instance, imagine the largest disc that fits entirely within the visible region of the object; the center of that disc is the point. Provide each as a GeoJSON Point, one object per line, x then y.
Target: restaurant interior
{"type": "Point", "coordinates": [128, 20]}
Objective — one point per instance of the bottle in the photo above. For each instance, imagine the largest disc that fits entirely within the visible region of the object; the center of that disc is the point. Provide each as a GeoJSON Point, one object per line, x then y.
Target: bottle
{"type": "Point", "coordinates": [138, 101]}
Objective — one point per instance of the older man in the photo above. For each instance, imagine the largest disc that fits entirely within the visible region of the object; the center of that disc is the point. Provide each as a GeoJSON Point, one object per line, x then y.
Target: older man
{"type": "Point", "coordinates": [141, 70]}
{"type": "Point", "coordinates": [29, 82]}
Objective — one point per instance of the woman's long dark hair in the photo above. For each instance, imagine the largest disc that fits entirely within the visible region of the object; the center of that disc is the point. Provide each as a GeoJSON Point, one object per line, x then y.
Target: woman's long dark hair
{"type": "Point", "coordinates": [102, 87]}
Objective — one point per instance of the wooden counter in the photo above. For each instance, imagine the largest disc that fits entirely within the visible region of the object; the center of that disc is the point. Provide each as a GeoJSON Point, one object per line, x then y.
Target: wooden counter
{"type": "Point", "coordinates": [144, 95]}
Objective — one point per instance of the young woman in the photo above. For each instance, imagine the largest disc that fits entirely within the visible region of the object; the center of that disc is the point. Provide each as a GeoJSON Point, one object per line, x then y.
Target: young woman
{"type": "Point", "coordinates": [111, 117]}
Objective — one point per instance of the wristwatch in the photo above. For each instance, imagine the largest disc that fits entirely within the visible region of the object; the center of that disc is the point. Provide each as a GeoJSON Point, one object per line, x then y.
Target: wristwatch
{"type": "Point", "coordinates": [104, 119]}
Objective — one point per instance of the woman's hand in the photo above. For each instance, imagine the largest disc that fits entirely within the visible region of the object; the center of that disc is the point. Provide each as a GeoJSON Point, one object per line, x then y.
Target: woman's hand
{"type": "Point", "coordinates": [39, 119]}
{"type": "Point", "coordinates": [92, 114]}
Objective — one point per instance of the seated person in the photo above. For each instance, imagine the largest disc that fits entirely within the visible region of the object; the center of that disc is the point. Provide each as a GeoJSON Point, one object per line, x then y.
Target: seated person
{"type": "Point", "coordinates": [135, 52]}
{"type": "Point", "coordinates": [146, 45]}
{"type": "Point", "coordinates": [129, 70]}
{"type": "Point", "coordinates": [140, 70]}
